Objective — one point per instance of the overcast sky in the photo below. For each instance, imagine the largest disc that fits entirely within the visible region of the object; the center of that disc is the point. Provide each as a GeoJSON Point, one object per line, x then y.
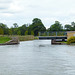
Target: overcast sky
{"type": "Point", "coordinates": [23, 11]}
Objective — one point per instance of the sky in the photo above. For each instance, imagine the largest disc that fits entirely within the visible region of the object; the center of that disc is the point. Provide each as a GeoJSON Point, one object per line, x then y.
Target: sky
{"type": "Point", "coordinates": [49, 11]}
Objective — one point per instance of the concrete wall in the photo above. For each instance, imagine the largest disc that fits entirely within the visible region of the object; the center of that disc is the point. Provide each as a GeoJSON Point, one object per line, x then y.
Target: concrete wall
{"type": "Point", "coordinates": [70, 34]}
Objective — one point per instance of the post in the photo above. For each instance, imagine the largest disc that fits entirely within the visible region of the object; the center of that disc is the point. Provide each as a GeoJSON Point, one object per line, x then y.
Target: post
{"type": "Point", "coordinates": [47, 33]}
{"type": "Point", "coordinates": [56, 33]}
{"type": "Point", "coordinates": [39, 33]}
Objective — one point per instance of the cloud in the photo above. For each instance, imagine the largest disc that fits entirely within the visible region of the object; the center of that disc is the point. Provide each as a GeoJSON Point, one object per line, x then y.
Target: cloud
{"type": "Point", "coordinates": [23, 11]}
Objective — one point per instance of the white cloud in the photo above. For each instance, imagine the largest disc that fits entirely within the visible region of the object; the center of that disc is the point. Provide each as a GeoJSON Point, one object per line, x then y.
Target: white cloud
{"type": "Point", "coordinates": [23, 11]}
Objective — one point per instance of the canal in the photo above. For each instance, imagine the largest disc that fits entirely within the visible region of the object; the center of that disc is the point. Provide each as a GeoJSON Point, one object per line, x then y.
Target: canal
{"type": "Point", "coordinates": [37, 57]}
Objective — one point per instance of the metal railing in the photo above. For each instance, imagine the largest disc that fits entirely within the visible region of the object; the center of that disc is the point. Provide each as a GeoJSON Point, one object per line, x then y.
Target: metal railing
{"type": "Point", "coordinates": [53, 33]}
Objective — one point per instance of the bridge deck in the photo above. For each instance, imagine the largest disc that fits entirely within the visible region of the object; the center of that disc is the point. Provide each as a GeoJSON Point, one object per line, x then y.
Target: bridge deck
{"type": "Point", "coordinates": [52, 37]}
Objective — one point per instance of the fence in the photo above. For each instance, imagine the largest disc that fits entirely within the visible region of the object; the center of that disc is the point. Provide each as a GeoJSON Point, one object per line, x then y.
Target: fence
{"type": "Point", "coordinates": [53, 33]}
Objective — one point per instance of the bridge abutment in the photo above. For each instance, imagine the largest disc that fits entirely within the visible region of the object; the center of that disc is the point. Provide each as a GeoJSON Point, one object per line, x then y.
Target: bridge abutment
{"type": "Point", "coordinates": [53, 42]}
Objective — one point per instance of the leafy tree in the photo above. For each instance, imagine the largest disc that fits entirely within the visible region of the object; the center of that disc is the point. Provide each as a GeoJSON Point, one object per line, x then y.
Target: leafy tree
{"type": "Point", "coordinates": [36, 20]}
{"type": "Point", "coordinates": [15, 31]}
{"type": "Point", "coordinates": [68, 27]}
{"type": "Point", "coordinates": [26, 33]}
{"type": "Point", "coordinates": [10, 32]}
{"type": "Point", "coordinates": [56, 26]}
{"type": "Point", "coordinates": [23, 29]}
{"type": "Point", "coordinates": [15, 25]}
{"type": "Point", "coordinates": [73, 26]}
{"type": "Point", "coordinates": [1, 31]}
{"type": "Point", "coordinates": [32, 33]}
{"type": "Point", "coordinates": [19, 32]}
{"type": "Point", "coordinates": [5, 28]}
{"type": "Point", "coordinates": [36, 26]}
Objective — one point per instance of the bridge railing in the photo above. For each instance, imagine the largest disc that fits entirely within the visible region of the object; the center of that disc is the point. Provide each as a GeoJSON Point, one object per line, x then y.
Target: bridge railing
{"type": "Point", "coordinates": [53, 33]}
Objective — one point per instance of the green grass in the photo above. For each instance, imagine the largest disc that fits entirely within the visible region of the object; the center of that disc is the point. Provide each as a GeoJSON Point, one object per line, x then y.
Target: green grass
{"type": "Point", "coordinates": [63, 42]}
{"type": "Point", "coordinates": [4, 39]}
{"type": "Point", "coordinates": [36, 38]}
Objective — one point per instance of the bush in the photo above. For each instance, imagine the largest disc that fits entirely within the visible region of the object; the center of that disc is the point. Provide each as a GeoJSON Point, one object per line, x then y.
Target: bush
{"type": "Point", "coordinates": [71, 40]}
{"type": "Point", "coordinates": [26, 33]}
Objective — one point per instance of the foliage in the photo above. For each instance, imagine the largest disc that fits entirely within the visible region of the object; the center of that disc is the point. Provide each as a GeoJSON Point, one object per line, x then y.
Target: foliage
{"type": "Point", "coordinates": [32, 33]}
{"type": "Point", "coordinates": [23, 29]}
{"type": "Point", "coordinates": [15, 25]}
{"type": "Point", "coordinates": [4, 28]}
{"type": "Point", "coordinates": [10, 32]}
{"type": "Point", "coordinates": [19, 32]}
{"type": "Point", "coordinates": [73, 24]}
{"type": "Point", "coordinates": [71, 40]}
{"type": "Point", "coordinates": [26, 33]}
{"type": "Point", "coordinates": [36, 26]}
{"type": "Point", "coordinates": [68, 27]}
{"type": "Point", "coordinates": [1, 31]}
{"type": "Point", "coordinates": [56, 26]}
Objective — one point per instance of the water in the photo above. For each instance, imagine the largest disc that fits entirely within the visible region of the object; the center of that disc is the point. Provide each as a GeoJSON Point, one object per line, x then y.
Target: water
{"type": "Point", "coordinates": [37, 57]}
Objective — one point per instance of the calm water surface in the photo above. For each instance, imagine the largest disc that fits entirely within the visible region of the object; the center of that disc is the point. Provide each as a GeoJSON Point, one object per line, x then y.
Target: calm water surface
{"type": "Point", "coordinates": [37, 57]}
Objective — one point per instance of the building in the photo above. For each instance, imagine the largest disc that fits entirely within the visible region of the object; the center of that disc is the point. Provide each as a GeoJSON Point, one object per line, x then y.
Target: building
{"type": "Point", "coordinates": [70, 34]}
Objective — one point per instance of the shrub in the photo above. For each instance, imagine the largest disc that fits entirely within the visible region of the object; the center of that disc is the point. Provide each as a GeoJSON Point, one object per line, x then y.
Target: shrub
{"type": "Point", "coordinates": [26, 33]}
{"type": "Point", "coordinates": [71, 40]}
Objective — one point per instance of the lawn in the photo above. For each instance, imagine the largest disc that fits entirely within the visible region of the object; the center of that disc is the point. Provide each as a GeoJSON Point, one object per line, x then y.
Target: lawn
{"type": "Point", "coordinates": [4, 39]}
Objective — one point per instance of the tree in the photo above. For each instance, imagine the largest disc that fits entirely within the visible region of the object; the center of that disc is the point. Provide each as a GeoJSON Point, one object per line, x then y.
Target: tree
{"type": "Point", "coordinates": [10, 32]}
{"type": "Point", "coordinates": [19, 32]}
{"type": "Point", "coordinates": [36, 26]}
{"type": "Point", "coordinates": [15, 25]}
{"type": "Point", "coordinates": [23, 29]}
{"type": "Point", "coordinates": [73, 26]}
{"type": "Point", "coordinates": [1, 31]}
{"type": "Point", "coordinates": [36, 20]}
{"type": "Point", "coordinates": [68, 27]}
{"type": "Point", "coordinates": [56, 26]}
{"type": "Point", "coordinates": [4, 28]}
{"type": "Point", "coordinates": [32, 33]}
{"type": "Point", "coordinates": [26, 33]}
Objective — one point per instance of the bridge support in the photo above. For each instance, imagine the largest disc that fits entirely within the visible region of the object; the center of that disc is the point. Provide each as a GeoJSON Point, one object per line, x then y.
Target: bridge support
{"type": "Point", "coordinates": [63, 39]}
{"type": "Point", "coordinates": [54, 39]}
{"type": "Point", "coordinates": [53, 42]}
{"type": "Point", "coordinates": [57, 42]}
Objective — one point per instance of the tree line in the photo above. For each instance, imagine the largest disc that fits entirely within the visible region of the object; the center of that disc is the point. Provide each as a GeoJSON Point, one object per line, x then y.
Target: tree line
{"type": "Point", "coordinates": [34, 28]}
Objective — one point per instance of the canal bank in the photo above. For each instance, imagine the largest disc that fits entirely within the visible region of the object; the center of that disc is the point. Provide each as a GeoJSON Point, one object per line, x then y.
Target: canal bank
{"type": "Point", "coordinates": [14, 39]}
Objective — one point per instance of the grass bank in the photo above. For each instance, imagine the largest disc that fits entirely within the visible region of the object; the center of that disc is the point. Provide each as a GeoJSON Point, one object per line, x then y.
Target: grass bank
{"type": "Point", "coordinates": [23, 38]}
{"type": "Point", "coordinates": [64, 42]}
{"type": "Point", "coordinates": [36, 38]}
{"type": "Point", "coordinates": [26, 38]}
{"type": "Point", "coordinates": [4, 39]}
